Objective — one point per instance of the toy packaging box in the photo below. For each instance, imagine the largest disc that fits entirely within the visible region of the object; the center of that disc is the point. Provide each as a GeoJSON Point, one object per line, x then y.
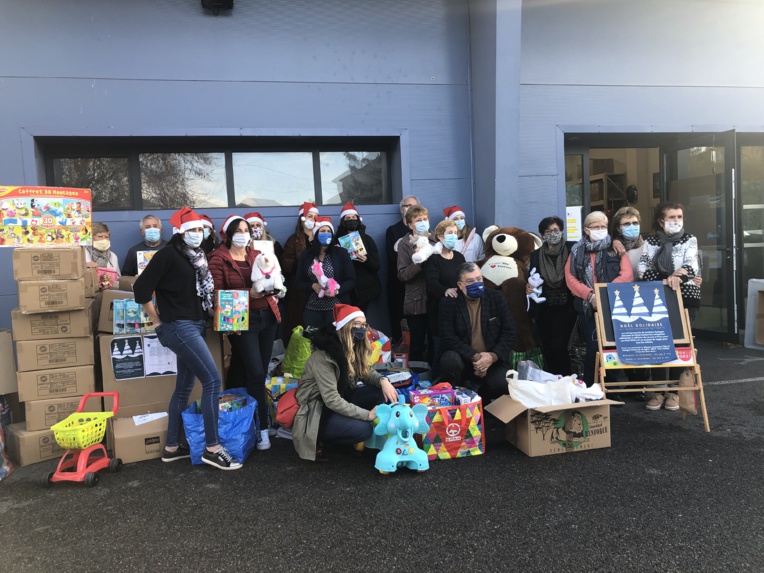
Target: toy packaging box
{"type": "Point", "coordinates": [231, 311]}
{"type": "Point", "coordinates": [353, 243]}
{"type": "Point", "coordinates": [434, 397]}
{"type": "Point", "coordinates": [107, 278]}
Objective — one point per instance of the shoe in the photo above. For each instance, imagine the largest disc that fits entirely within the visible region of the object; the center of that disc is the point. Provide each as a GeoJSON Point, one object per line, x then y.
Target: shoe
{"type": "Point", "coordinates": [321, 456]}
{"type": "Point", "coordinates": [220, 459]}
{"type": "Point", "coordinates": [273, 432]}
{"type": "Point", "coordinates": [264, 443]}
{"type": "Point", "coordinates": [181, 453]}
{"type": "Point", "coordinates": [672, 402]}
{"type": "Point", "coordinates": [656, 402]}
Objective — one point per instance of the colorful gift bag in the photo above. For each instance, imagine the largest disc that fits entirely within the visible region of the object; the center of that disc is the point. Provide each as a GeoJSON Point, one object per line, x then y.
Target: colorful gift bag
{"type": "Point", "coordinates": [274, 388]}
{"type": "Point", "coordinates": [455, 431]}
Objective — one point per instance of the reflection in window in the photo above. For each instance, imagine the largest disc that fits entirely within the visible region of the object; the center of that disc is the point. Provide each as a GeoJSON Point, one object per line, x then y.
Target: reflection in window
{"type": "Point", "coordinates": [355, 176]}
{"type": "Point", "coordinates": [272, 179]}
{"type": "Point", "coordinates": [574, 179]}
{"type": "Point", "coordinates": [174, 180]}
{"type": "Point", "coordinates": [106, 177]}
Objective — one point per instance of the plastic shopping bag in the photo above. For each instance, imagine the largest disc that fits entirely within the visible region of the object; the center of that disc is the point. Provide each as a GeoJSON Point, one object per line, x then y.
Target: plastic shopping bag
{"type": "Point", "coordinates": [535, 394]}
{"type": "Point", "coordinates": [529, 370]}
{"type": "Point", "coordinates": [297, 353]}
{"type": "Point", "coordinates": [236, 429]}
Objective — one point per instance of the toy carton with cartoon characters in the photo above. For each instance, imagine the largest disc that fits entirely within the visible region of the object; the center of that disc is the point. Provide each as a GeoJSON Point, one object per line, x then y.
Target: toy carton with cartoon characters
{"type": "Point", "coordinates": [231, 311]}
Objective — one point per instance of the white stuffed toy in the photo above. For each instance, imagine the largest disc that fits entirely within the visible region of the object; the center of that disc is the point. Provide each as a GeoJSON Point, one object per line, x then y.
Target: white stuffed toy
{"type": "Point", "coordinates": [266, 274]}
{"type": "Point", "coordinates": [424, 250]}
{"type": "Point", "coordinates": [535, 281]}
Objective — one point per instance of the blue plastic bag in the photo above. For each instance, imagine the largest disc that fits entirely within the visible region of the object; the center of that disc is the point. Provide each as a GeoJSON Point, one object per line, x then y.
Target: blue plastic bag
{"type": "Point", "coordinates": [237, 430]}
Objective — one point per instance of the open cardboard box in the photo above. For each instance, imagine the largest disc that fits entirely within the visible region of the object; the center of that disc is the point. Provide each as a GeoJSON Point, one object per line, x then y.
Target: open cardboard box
{"type": "Point", "coordinates": [560, 429]}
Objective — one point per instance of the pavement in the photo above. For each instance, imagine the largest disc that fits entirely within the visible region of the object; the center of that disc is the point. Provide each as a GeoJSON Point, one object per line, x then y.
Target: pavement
{"type": "Point", "coordinates": [667, 496]}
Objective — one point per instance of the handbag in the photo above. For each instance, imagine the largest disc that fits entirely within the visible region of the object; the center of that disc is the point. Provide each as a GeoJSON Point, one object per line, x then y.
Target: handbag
{"type": "Point", "coordinates": [287, 408]}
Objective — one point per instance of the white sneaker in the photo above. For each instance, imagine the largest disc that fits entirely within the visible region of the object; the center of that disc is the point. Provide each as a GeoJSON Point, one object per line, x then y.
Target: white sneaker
{"type": "Point", "coordinates": [265, 442]}
{"type": "Point", "coordinates": [272, 432]}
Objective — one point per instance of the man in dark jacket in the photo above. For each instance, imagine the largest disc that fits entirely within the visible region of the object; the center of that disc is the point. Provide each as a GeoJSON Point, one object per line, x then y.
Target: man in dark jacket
{"type": "Point", "coordinates": [477, 336]}
{"type": "Point", "coordinates": [395, 288]}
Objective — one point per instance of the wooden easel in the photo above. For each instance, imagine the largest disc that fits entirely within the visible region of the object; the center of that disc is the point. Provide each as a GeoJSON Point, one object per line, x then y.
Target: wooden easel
{"type": "Point", "coordinates": [607, 356]}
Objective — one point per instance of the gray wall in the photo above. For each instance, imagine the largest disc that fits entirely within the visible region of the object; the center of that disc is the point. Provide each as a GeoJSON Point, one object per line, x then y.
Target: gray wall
{"type": "Point", "coordinates": [162, 67]}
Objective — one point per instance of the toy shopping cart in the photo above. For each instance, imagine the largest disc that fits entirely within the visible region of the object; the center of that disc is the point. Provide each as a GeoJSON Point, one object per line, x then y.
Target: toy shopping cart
{"type": "Point", "coordinates": [81, 433]}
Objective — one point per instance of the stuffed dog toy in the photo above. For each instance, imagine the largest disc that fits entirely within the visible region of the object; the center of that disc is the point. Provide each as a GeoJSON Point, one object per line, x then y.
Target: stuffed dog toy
{"type": "Point", "coordinates": [266, 274]}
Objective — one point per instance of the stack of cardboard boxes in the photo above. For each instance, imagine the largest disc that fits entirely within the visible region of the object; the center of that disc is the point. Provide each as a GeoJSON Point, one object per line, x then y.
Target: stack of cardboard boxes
{"type": "Point", "coordinates": [55, 356]}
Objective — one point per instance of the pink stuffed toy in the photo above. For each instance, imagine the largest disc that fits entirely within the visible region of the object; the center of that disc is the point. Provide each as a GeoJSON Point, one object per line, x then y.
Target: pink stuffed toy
{"type": "Point", "coordinates": [328, 286]}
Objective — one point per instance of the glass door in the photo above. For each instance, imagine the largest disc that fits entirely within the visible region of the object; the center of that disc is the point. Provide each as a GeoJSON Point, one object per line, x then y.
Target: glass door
{"type": "Point", "coordinates": [699, 173]}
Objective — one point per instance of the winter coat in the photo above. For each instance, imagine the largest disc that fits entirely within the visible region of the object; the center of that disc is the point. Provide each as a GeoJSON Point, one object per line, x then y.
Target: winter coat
{"type": "Point", "coordinates": [367, 285]}
{"type": "Point", "coordinates": [412, 275]}
{"type": "Point", "coordinates": [228, 276]}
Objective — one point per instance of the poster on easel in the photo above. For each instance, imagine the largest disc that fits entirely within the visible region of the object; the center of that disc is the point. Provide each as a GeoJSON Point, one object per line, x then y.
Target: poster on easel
{"type": "Point", "coordinates": [44, 216]}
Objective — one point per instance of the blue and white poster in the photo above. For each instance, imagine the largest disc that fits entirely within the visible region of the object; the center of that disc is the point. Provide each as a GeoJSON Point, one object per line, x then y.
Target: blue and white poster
{"type": "Point", "coordinates": [641, 323]}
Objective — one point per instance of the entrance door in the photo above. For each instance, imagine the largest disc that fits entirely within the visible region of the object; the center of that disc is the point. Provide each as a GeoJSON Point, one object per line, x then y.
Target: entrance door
{"type": "Point", "coordinates": [699, 172]}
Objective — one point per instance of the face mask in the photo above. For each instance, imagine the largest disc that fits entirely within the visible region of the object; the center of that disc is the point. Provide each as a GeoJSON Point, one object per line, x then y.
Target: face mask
{"type": "Point", "coordinates": [672, 227]}
{"type": "Point", "coordinates": [460, 224]}
{"type": "Point", "coordinates": [152, 235]}
{"type": "Point", "coordinates": [597, 234]}
{"type": "Point", "coordinates": [309, 224]}
{"type": "Point", "coordinates": [102, 245]}
{"type": "Point", "coordinates": [352, 224]}
{"type": "Point", "coordinates": [475, 290]}
{"type": "Point", "coordinates": [206, 233]}
{"type": "Point", "coordinates": [631, 232]}
{"type": "Point", "coordinates": [422, 227]}
{"type": "Point", "coordinates": [358, 333]}
{"type": "Point", "coordinates": [324, 238]}
{"type": "Point", "coordinates": [449, 241]}
{"type": "Point", "coordinates": [257, 233]}
{"type": "Point", "coordinates": [193, 239]}
{"type": "Point", "coordinates": [241, 240]}
{"type": "Point", "coordinates": [553, 237]}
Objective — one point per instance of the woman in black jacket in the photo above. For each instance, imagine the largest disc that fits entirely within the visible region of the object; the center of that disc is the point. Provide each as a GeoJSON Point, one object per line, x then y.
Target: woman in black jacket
{"type": "Point", "coordinates": [367, 284]}
{"type": "Point", "coordinates": [324, 272]}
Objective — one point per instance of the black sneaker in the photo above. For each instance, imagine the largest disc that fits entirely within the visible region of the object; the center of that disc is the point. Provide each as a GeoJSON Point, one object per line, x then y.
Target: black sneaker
{"type": "Point", "coordinates": [221, 459]}
{"type": "Point", "coordinates": [179, 454]}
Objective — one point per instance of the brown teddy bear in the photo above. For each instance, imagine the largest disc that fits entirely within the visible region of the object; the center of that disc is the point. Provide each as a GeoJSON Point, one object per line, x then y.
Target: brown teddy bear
{"type": "Point", "coordinates": [505, 268]}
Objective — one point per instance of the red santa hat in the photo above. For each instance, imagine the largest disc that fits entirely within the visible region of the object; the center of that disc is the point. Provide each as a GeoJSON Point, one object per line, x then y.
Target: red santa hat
{"type": "Point", "coordinates": [324, 222]}
{"type": "Point", "coordinates": [306, 208]}
{"type": "Point", "coordinates": [255, 217]}
{"type": "Point", "coordinates": [185, 219]}
{"type": "Point", "coordinates": [453, 212]}
{"type": "Point", "coordinates": [227, 223]}
{"type": "Point", "coordinates": [349, 209]}
{"type": "Point", "coordinates": [207, 222]}
{"type": "Point", "coordinates": [344, 313]}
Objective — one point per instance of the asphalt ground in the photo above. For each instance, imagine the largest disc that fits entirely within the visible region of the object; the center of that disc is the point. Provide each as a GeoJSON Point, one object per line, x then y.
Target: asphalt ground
{"type": "Point", "coordinates": [667, 496]}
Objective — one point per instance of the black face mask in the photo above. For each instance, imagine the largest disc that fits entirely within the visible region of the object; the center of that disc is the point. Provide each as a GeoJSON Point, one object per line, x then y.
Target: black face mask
{"type": "Point", "coordinates": [358, 333]}
{"type": "Point", "coordinates": [352, 224]}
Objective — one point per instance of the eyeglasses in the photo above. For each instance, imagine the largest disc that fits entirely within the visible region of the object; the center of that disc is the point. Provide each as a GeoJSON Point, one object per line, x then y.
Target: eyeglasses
{"type": "Point", "coordinates": [634, 224]}
{"type": "Point", "coordinates": [357, 325]}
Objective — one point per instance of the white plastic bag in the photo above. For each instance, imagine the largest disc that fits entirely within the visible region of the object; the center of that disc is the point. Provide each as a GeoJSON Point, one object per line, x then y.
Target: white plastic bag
{"type": "Point", "coordinates": [581, 393]}
{"type": "Point", "coordinates": [535, 394]}
{"type": "Point", "coordinates": [529, 370]}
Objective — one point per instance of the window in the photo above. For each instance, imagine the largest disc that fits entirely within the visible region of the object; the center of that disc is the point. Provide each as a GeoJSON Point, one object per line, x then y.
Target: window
{"type": "Point", "coordinates": [168, 173]}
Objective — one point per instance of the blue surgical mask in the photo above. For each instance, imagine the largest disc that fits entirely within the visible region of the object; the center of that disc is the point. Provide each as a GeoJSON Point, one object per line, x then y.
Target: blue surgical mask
{"type": "Point", "coordinates": [631, 232]}
{"type": "Point", "coordinates": [152, 234]}
{"type": "Point", "coordinates": [449, 241]}
{"type": "Point", "coordinates": [324, 238]}
{"type": "Point", "coordinates": [193, 239]}
{"type": "Point", "coordinates": [206, 233]}
{"type": "Point", "coordinates": [422, 227]}
{"type": "Point", "coordinates": [475, 290]}
{"type": "Point", "coordinates": [460, 224]}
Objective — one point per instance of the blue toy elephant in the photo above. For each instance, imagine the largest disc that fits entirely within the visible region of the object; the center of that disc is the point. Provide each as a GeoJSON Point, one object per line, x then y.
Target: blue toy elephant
{"type": "Point", "coordinates": [401, 422]}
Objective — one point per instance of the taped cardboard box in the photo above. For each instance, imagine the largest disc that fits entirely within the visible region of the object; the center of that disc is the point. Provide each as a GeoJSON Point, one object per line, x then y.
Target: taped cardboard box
{"type": "Point", "coordinates": [51, 295]}
{"type": "Point", "coordinates": [32, 263]}
{"type": "Point", "coordinates": [106, 318]}
{"type": "Point", "coordinates": [552, 430]}
{"type": "Point", "coordinates": [27, 448]}
{"type": "Point", "coordinates": [42, 414]}
{"type": "Point", "coordinates": [67, 324]}
{"type": "Point", "coordinates": [133, 442]}
{"type": "Point", "coordinates": [55, 383]}
{"type": "Point", "coordinates": [7, 364]}
{"type": "Point", "coordinates": [91, 282]}
{"type": "Point", "coordinates": [54, 353]}
{"type": "Point", "coordinates": [126, 283]}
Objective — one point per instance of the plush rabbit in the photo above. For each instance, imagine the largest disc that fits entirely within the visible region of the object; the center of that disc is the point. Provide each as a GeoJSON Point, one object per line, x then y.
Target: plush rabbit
{"type": "Point", "coordinates": [535, 281]}
{"type": "Point", "coordinates": [266, 274]}
{"type": "Point", "coordinates": [328, 285]}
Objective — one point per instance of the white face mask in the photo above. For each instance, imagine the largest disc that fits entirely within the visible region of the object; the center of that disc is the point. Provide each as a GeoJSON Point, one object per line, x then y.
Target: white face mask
{"type": "Point", "coordinates": [597, 234]}
{"type": "Point", "coordinates": [241, 240]}
{"type": "Point", "coordinates": [193, 239]}
{"type": "Point", "coordinates": [309, 224]}
{"type": "Point", "coordinates": [672, 227]}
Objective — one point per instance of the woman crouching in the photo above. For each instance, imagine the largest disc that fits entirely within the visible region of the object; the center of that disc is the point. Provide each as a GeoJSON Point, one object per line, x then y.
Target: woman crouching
{"type": "Point", "coordinates": [333, 408]}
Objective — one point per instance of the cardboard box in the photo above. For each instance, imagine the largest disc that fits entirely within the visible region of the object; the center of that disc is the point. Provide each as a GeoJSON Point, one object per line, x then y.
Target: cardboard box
{"type": "Point", "coordinates": [54, 353]}
{"type": "Point", "coordinates": [7, 364]}
{"type": "Point", "coordinates": [55, 383]}
{"type": "Point", "coordinates": [42, 414]}
{"type": "Point", "coordinates": [759, 328]}
{"type": "Point", "coordinates": [34, 263]}
{"type": "Point", "coordinates": [26, 448]}
{"type": "Point", "coordinates": [126, 283]}
{"type": "Point", "coordinates": [16, 407]}
{"type": "Point", "coordinates": [67, 324]}
{"type": "Point", "coordinates": [91, 282]}
{"type": "Point", "coordinates": [554, 429]}
{"type": "Point", "coordinates": [51, 295]}
{"type": "Point", "coordinates": [137, 443]}
{"type": "Point", "coordinates": [106, 318]}
{"type": "Point", "coordinates": [140, 409]}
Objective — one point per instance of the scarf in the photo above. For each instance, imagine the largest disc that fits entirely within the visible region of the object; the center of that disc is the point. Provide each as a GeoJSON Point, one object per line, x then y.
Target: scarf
{"type": "Point", "coordinates": [632, 244]}
{"type": "Point", "coordinates": [663, 259]}
{"type": "Point", "coordinates": [101, 258]}
{"type": "Point", "coordinates": [552, 259]}
{"type": "Point", "coordinates": [205, 287]}
{"type": "Point", "coordinates": [579, 263]}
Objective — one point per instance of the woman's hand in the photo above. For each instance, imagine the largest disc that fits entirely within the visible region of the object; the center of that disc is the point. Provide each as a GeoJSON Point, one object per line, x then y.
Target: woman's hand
{"type": "Point", "coordinates": [360, 258]}
{"type": "Point", "coordinates": [451, 293]}
{"type": "Point", "coordinates": [528, 288]}
{"type": "Point", "coordinates": [618, 247]}
{"type": "Point", "coordinates": [372, 414]}
{"type": "Point", "coordinates": [317, 288]}
{"type": "Point", "coordinates": [388, 390]}
{"type": "Point", "coordinates": [698, 281]}
{"type": "Point", "coordinates": [255, 294]}
{"type": "Point", "coordinates": [674, 281]}
{"type": "Point", "coordinates": [679, 272]}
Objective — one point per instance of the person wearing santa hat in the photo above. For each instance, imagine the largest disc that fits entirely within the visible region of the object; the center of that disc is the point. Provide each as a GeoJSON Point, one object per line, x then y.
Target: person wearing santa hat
{"type": "Point", "coordinates": [293, 248]}
{"type": "Point", "coordinates": [333, 408]}
{"type": "Point", "coordinates": [367, 285]}
{"type": "Point", "coordinates": [258, 225]}
{"type": "Point", "coordinates": [184, 288]}
{"type": "Point", "coordinates": [231, 267]}
{"type": "Point", "coordinates": [334, 264]}
{"type": "Point", "coordinates": [210, 241]}
{"type": "Point", "coordinates": [470, 243]}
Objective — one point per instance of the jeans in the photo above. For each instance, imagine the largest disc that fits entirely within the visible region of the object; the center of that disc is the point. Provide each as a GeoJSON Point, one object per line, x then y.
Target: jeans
{"type": "Point", "coordinates": [253, 348]}
{"type": "Point", "coordinates": [340, 429]}
{"type": "Point", "coordinates": [186, 339]}
{"type": "Point", "coordinates": [457, 371]}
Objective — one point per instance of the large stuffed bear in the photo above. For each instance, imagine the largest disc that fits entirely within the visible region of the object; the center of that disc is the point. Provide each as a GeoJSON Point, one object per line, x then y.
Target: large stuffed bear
{"type": "Point", "coordinates": [505, 267]}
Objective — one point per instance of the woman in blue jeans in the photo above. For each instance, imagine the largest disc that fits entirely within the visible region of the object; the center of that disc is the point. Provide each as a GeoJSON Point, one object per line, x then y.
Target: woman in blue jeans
{"type": "Point", "coordinates": [184, 288]}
